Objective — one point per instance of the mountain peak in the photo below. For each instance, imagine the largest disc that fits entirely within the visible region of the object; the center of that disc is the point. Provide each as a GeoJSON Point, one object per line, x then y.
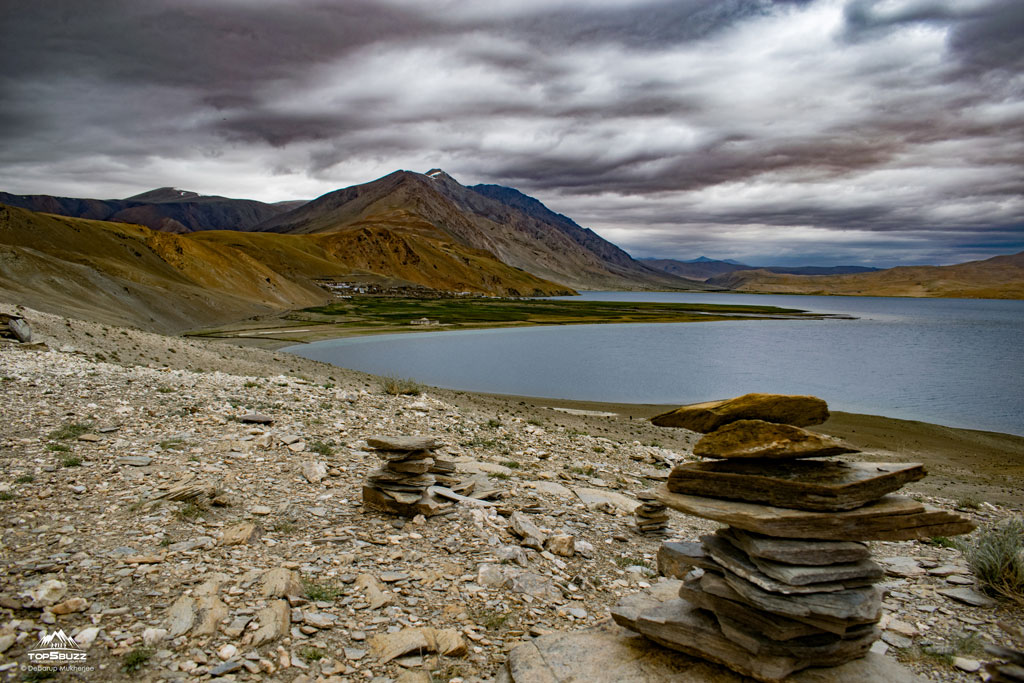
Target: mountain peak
{"type": "Point", "coordinates": [438, 174]}
{"type": "Point", "coordinates": [163, 194]}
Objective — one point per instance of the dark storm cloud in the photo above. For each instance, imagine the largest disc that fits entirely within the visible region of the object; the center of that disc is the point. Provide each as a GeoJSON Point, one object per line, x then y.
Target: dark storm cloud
{"type": "Point", "coordinates": [739, 128]}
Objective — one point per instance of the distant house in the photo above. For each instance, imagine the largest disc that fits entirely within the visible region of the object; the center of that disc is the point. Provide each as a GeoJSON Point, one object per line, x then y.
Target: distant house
{"type": "Point", "coordinates": [424, 321]}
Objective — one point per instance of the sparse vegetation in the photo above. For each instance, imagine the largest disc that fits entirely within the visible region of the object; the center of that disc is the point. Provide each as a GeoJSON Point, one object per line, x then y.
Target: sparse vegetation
{"type": "Point", "coordinates": [59, 447]}
{"type": "Point", "coordinates": [136, 659]}
{"type": "Point", "coordinates": [172, 444]}
{"type": "Point", "coordinates": [968, 502]}
{"type": "Point", "coordinates": [493, 424]}
{"type": "Point", "coordinates": [500, 475]}
{"type": "Point", "coordinates": [320, 591]}
{"type": "Point", "coordinates": [311, 654]}
{"type": "Point", "coordinates": [250, 384]}
{"type": "Point", "coordinates": [322, 447]}
{"type": "Point", "coordinates": [398, 386]}
{"type": "Point", "coordinates": [7, 495]}
{"type": "Point", "coordinates": [71, 461]}
{"type": "Point", "coordinates": [190, 511]}
{"type": "Point", "coordinates": [624, 561]}
{"type": "Point", "coordinates": [996, 556]}
{"type": "Point", "coordinates": [71, 430]}
{"type": "Point", "coordinates": [25, 479]}
{"type": "Point", "coordinates": [585, 471]}
{"type": "Point", "coordinates": [166, 390]}
{"type": "Point", "coordinates": [511, 464]}
{"type": "Point", "coordinates": [283, 527]}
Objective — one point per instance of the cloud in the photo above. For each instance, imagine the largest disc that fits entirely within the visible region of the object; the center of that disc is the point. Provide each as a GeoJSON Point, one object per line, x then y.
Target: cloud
{"type": "Point", "coordinates": [674, 128]}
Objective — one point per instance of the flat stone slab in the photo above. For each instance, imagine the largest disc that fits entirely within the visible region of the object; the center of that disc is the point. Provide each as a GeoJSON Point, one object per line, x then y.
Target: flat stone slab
{"type": "Point", "coordinates": [968, 596]}
{"type": "Point", "coordinates": [893, 518]}
{"type": "Point", "coordinates": [405, 505]}
{"type": "Point", "coordinates": [598, 496]}
{"type": "Point", "coordinates": [681, 626]}
{"type": "Point", "coordinates": [735, 560]}
{"type": "Point", "coordinates": [825, 485]}
{"type": "Point", "coordinates": [403, 443]}
{"type": "Point", "coordinates": [853, 605]}
{"type": "Point", "coordinates": [799, 411]}
{"type": "Point", "coordinates": [774, 626]}
{"type": "Point", "coordinates": [747, 439]}
{"type": "Point", "coordinates": [677, 559]}
{"type": "Point", "coordinates": [256, 419]}
{"type": "Point", "coordinates": [795, 551]}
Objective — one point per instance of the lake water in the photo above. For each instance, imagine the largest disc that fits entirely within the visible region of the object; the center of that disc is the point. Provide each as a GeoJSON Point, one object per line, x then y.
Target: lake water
{"type": "Point", "coordinates": [957, 362]}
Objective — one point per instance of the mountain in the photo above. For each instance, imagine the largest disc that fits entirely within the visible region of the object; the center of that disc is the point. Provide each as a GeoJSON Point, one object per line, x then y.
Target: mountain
{"type": "Point", "coordinates": [704, 268]}
{"type": "Point", "coordinates": [167, 209]}
{"type": "Point", "coordinates": [1000, 277]}
{"type": "Point", "coordinates": [516, 229]}
{"type": "Point", "coordinates": [131, 275]}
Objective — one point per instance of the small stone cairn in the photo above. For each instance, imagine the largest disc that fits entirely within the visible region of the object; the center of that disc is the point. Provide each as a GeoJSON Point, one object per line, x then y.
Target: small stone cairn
{"type": "Point", "coordinates": [789, 583]}
{"type": "Point", "coordinates": [401, 485]}
{"type": "Point", "coordinates": [651, 516]}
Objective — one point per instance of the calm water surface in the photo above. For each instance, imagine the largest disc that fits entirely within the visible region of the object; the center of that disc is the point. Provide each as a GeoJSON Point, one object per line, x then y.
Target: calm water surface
{"type": "Point", "coordinates": [956, 362]}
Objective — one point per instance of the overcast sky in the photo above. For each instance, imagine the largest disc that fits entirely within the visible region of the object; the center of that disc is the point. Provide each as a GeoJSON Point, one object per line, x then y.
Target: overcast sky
{"type": "Point", "coordinates": [877, 132]}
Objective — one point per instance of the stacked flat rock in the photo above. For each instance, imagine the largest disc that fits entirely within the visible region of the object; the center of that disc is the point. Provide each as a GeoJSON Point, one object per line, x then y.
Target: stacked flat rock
{"type": "Point", "coordinates": [651, 515]}
{"type": "Point", "coordinates": [789, 582]}
{"type": "Point", "coordinates": [1009, 664]}
{"type": "Point", "coordinates": [401, 484]}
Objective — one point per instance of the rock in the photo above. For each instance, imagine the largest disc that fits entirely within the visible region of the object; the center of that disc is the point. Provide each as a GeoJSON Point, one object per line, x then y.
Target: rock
{"type": "Point", "coordinates": [825, 485]}
{"type": "Point", "coordinates": [47, 593]}
{"type": "Point", "coordinates": [70, 606]}
{"type": "Point", "coordinates": [255, 418]}
{"type": "Point", "coordinates": [314, 471]}
{"type": "Point", "coordinates": [210, 611]}
{"type": "Point", "coordinates": [598, 497]}
{"type": "Point", "coordinates": [153, 636]}
{"type": "Point", "coordinates": [512, 553]}
{"type": "Point", "coordinates": [967, 596]}
{"type": "Point", "coordinates": [605, 655]}
{"type": "Point", "coordinates": [965, 664]}
{"type": "Point", "coordinates": [227, 651]}
{"type": "Point", "coordinates": [320, 620]}
{"type": "Point", "coordinates": [562, 544]}
{"type": "Point", "coordinates": [774, 626]}
{"type": "Point", "coordinates": [86, 637]}
{"type": "Point", "coordinates": [901, 566]}
{"type": "Point", "coordinates": [746, 439]}
{"type": "Point", "coordinates": [676, 560]}
{"type": "Point", "coordinates": [491, 576]}
{"type": "Point", "coordinates": [897, 640]}
{"type": "Point", "coordinates": [181, 616]}
{"type": "Point", "coordinates": [799, 411]}
{"type": "Point", "coordinates": [736, 561]}
{"type": "Point", "coordinates": [19, 329]}
{"type": "Point", "coordinates": [796, 551]}
{"type": "Point", "coordinates": [373, 592]}
{"type": "Point", "coordinates": [261, 510]}
{"type": "Point", "coordinates": [226, 668]}
{"type": "Point", "coordinates": [423, 640]}
{"type": "Point", "coordinates": [274, 620]}
{"type": "Point", "coordinates": [892, 518]}
{"type": "Point", "coordinates": [90, 438]}
{"type": "Point", "coordinates": [281, 582]}
{"type": "Point", "coordinates": [414, 676]}
{"type": "Point", "coordinates": [403, 443]}
{"type": "Point", "coordinates": [7, 640]}
{"type": "Point", "coordinates": [135, 460]}
{"type": "Point", "coordinates": [241, 533]}
{"type": "Point", "coordinates": [535, 585]}
{"type": "Point", "coordinates": [237, 626]}
{"type": "Point", "coordinates": [531, 535]}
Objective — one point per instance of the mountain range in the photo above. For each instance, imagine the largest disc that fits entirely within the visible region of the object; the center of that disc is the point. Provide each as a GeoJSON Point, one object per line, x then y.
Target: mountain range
{"type": "Point", "coordinates": [171, 259]}
{"type": "Point", "coordinates": [703, 268]}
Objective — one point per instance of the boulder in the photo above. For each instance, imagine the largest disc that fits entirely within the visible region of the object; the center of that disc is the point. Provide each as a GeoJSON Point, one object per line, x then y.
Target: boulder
{"type": "Point", "coordinates": [799, 411]}
{"type": "Point", "coordinates": [760, 439]}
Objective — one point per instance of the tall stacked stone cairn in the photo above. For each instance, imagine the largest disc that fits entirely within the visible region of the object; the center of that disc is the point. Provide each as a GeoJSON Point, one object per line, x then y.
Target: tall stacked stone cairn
{"type": "Point", "coordinates": [401, 485]}
{"type": "Point", "coordinates": [789, 582]}
{"type": "Point", "coordinates": [651, 515]}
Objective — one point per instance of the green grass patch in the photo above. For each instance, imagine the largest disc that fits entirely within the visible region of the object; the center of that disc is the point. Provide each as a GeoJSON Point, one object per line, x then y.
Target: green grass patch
{"type": "Point", "coordinates": [71, 430]}
{"type": "Point", "coordinates": [7, 495]}
{"type": "Point", "coordinates": [136, 659]}
{"type": "Point", "coordinates": [322, 447]}
{"type": "Point", "coordinates": [625, 561]}
{"type": "Point", "coordinates": [320, 591]}
{"type": "Point", "coordinates": [311, 654]}
{"type": "Point", "coordinates": [58, 447]}
{"type": "Point", "coordinates": [71, 461]}
{"type": "Point", "coordinates": [511, 464]}
{"type": "Point", "coordinates": [191, 511]}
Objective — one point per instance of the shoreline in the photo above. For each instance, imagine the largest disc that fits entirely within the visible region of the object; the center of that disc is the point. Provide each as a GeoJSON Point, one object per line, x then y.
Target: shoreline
{"type": "Point", "coordinates": [963, 463]}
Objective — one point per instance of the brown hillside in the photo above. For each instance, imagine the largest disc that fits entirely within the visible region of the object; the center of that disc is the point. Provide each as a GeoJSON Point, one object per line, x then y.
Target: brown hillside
{"type": "Point", "coordinates": [556, 250]}
{"type": "Point", "coordinates": [1001, 277]}
{"type": "Point", "coordinates": [131, 275]}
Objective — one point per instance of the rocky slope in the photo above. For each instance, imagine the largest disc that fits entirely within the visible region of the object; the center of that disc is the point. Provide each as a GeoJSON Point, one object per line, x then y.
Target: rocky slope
{"type": "Point", "coordinates": [275, 570]}
{"type": "Point", "coordinates": [517, 229]}
{"type": "Point", "coordinates": [704, 268]}
{"type": "Point", "coordinates": [127, 274]}
{"type": "Point", "coordinates": [1001, 277]}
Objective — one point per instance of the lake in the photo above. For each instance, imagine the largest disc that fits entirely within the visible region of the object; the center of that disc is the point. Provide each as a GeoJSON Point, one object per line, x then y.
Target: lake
{"type": "Point", "coordinates": [956, 362]}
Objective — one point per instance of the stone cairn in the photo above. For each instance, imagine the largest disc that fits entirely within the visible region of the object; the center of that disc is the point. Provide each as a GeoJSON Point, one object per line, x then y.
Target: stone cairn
{"type": "Point", "coordinates": [789, 582]}
{"type": "Point", "coordinates": [1009, 664]}
{"type": "Point", "coordinates": [402, 484]}
{"type": "Point", "coordinates": [651, 515]}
